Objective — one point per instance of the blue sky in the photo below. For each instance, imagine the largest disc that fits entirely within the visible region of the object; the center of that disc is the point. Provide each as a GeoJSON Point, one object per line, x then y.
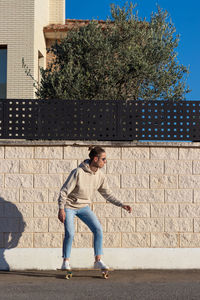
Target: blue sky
{"type": "Point", "coordinates": [184, 15]}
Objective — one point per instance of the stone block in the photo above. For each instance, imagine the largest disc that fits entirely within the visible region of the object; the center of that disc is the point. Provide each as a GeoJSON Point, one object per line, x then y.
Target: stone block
{"type": "Point", "coordinates": [164, 210]}
{"type": "Point", "coordinates": [18, 180]}
{"type": "Point", "coordinates": [18, 152]}
{"type": "Point", "coordinates": [196, 196]}
{"type": "Point", "coordinates": [83, 240]}
{"type": "Point", "coordinates": [164, 240]}
{"type": "Point", "coordinates": [196, 167]}
{"type": "Point", "coordinates": [55, 225]}
{"type": "Point", "coordinates": [62, 166]}
{"type": "Point", "coordinates": [2, 152]}
{"type": "Point", "coordinates": [163, 181]}
{"type": "Point", "coordinates": [18, 240]}
{"type": "Point", "coordinates": [197, 225]}
{"type": "Point", "coordinates": [189, 210]}
{"type": "Point", "coordinates": [150, 196]}
{"type": "Point", "coordinates": [135, 240]}
{"type": "Point", "coordinates": [138, 211]}
{"type": "Point", "coordinates": [33, 195]}
{"type": "Point", "coordinates": [121, 225]}
{"type": "Point", "coordinates": [189, 181]}
{"type": "Point", "coordinates": [181, 167]}
{"type": "Point", "coordinates": [48, 181]}
{"type": "Point", "coordinates": [113, 181]}
{"type": "Point", "coordinates": [112, 240]}
{"type": "Point", "coordinates": [9, 166]}
{"type": "Point", "coordinates": [125, 195]}
{"type": "Point", "coordinates": [112, 152]}
{"type": "Point", "coordinates": [149, 225]}
{"type": "Point", "coordinates": [47, 240]}
{"type": "Point", "coordinates": [73, 152]}
{"type": "Point", "coordinates": [18, 210]}
{"type": "Point", "coordinates": [190, 240]}
{"type": "Point", "coordinates": [189, 153]}
{"type": "Point", "coordinates": [106, 210]}
{"type": "Point", "coordinates": [135, 181]}
{"type": "Point", "coordinates": [45, 210]}
{"type": "Point", "coordinates": [178, 196]}
{"type": "Point", "coordinates": [49, 152]}
{"type": "Point", "coordinates": [149, 167]}
{"type": "Point", "coordinates": [121, 167]}
{"type": "Point", "coordinates": [178, 225]}
{"type": "Point", "coordinates": [33, 166]}
{"type": "Point", "coordinates": [9, 195]}
{"type": "Point", "coordinates": [135, 153]}
{"type": "Point", "coordinates": [34, 225]}
{"type": "Point", "coordinates": [163, 153]}
{"type": "Point", "coordinates": [1, 181]}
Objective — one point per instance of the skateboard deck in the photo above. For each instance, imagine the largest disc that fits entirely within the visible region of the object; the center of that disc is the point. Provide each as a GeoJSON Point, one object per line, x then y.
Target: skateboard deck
{"type": "Point", "coordinates": [69, 273]}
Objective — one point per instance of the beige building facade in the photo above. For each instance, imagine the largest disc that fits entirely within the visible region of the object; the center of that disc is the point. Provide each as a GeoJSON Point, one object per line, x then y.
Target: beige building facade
{"type": "Point", "coordinates": [22, 37]}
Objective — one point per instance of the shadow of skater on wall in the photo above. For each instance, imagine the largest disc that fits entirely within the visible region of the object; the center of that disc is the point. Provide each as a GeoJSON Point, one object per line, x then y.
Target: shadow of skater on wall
{"type": "Point", "coordinates": [12, 226]}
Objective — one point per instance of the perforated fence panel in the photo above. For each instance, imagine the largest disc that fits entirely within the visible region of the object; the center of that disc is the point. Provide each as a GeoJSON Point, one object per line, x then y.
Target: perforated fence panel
{"type": "Point", "coordinates": [78, 120]}
{"type": "Point", "coordinates": [20, 119]}
{"type": "Point", "coordinates": [100, 120]}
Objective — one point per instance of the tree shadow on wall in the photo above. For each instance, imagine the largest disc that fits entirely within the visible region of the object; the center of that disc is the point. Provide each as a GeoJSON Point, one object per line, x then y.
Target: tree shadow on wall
{"type": "Point", "coordinates": [12, 226]}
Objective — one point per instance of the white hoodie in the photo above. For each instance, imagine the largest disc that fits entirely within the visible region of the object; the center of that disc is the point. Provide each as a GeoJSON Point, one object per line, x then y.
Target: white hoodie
{"type": "Point", "coordinates": [78, 191]}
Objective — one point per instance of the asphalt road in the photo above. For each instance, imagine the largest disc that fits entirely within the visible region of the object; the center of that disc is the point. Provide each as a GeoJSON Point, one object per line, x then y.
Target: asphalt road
{"type": "Point", "coordinates": [137, 284]}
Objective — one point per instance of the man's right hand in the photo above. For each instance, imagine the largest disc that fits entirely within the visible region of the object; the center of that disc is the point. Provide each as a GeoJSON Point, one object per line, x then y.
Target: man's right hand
{"type": "Point", "coordinates": [61, 215]}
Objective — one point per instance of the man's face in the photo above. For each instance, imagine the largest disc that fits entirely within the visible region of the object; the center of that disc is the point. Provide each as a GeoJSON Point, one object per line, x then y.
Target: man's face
{"type": "Point", "coordinates": [100, 160]}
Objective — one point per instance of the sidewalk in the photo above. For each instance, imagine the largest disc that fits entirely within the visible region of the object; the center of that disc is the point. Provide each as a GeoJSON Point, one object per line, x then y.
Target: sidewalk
{"type": "Point", "coordinates": [136, 284]}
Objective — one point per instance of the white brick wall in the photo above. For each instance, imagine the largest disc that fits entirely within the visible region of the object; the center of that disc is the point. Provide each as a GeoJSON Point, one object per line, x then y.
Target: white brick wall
{"type": "Point", "coordinates": [17, 32]}
{"type": "Point", "coordinates": [56, 11]}
{"type": "Point", "coordinates": [21, 29]}
{"type": "Point", "coordinates": [162, 186]}
{"type": "Point", "coordinates": [41, 19]}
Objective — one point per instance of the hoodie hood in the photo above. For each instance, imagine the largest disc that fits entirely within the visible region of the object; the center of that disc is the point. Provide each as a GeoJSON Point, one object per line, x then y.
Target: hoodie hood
{"type": "Point", "coordinates": [85, 166]}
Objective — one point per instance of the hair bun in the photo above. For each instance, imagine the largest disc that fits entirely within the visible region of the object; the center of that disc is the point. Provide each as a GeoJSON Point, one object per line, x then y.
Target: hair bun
{"type": "Point", "coordinates": [90, 148]}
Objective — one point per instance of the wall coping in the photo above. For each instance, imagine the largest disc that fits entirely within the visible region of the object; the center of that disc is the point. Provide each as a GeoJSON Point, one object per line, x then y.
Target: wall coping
{"type": "Point", "coordinates": [100, 143]}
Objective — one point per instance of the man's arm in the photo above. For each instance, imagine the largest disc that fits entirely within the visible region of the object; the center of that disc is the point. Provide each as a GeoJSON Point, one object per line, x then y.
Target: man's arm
{"type": "Point", "coordinates": [67, 188]}
{"type": "Point", "coordinates": [107, 194]}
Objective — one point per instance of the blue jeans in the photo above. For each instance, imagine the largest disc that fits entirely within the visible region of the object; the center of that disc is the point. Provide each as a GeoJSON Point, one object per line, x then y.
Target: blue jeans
{"type": "Point", "coordinates": [89, 218]}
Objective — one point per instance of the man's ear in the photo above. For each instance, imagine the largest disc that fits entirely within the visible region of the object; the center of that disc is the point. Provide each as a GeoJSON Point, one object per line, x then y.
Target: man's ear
{"type": "Point", "coordinates": [95, 159]}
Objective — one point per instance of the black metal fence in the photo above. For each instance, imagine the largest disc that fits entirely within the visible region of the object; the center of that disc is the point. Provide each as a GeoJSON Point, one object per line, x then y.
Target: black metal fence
{"type": "Point", "coordinates": [100, 120]}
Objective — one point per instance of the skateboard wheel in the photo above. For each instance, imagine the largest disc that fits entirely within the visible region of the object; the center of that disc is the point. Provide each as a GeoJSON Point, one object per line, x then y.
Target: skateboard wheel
{"type": "Point", "coordinates": [68, 276]}
{"type": "Point", "coordinates": [105, 275]}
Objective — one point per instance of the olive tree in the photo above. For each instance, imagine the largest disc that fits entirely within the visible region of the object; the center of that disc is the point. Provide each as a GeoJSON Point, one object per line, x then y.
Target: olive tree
{"type": "Point", "coordinates": [127, 58]}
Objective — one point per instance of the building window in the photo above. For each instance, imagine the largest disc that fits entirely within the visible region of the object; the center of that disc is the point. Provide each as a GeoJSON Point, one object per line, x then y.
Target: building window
{"type": "Point", "coordinates": [3, 72]}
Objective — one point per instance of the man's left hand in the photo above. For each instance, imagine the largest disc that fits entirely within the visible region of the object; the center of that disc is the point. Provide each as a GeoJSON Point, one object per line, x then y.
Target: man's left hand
{"type": "Point", "coordinates": [127, 207]}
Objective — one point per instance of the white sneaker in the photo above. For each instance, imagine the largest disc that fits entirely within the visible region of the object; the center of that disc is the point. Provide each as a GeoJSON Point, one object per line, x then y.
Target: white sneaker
{"type": "Point", "coordinates": [100, 265]}
{"type": "Point", "coordinates": [65, 265]}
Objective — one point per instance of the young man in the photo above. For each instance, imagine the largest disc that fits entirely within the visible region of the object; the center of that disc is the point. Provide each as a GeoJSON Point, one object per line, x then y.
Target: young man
{"type": "Point", "coordinates": [76, 196]}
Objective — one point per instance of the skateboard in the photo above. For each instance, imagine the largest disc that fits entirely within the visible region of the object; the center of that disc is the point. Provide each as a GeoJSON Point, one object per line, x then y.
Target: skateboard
{"type": "Point", "coordinates": [69, 273]}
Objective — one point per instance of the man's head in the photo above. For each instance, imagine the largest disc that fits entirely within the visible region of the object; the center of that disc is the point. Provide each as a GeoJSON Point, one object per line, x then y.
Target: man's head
{"type": "Point", "coordinates": [97, 156]}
